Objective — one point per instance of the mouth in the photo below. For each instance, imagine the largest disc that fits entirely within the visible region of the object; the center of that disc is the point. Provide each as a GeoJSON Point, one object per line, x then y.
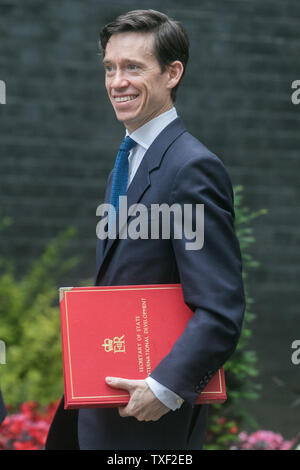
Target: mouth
{"type": "Point", "coordinates": [124, 99]}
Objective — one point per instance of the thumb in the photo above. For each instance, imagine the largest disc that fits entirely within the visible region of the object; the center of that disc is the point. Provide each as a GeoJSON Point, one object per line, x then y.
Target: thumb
{"type": "Point", "coordinates": [117, 382]}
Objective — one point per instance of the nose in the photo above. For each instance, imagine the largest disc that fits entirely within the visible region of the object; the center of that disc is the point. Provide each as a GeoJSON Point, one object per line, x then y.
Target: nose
{"type": "Point", "coordinates": [119, 80]}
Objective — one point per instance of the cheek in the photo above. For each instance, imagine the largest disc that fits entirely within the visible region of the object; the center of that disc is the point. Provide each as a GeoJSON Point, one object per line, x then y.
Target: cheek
{"type": "Point", "coordinates": [147, 92]}
{"type": "Point", "coordinates": [107, 86]}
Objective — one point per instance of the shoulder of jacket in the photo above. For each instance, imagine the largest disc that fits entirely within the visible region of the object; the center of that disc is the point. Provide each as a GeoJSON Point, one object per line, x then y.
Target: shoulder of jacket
{"type": "Point", "coordinates": [187, 148]}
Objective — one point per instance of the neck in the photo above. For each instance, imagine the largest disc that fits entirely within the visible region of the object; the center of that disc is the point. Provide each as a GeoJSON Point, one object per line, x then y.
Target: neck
{"type": "Point", "coordinates": [131, 127]}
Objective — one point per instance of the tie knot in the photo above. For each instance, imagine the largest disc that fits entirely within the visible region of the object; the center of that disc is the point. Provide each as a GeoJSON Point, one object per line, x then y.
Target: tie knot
{"type": "Point", "coordinates": [127, 144]}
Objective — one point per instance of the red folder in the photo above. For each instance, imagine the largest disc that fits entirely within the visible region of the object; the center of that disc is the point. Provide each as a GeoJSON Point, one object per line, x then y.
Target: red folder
{"type": "Point", "coordinates": [121, 331]}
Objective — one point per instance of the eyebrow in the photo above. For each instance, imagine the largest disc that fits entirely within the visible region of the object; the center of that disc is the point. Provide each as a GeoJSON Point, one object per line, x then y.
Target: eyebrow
{"type": "Point", "coordinates": [136, 61]}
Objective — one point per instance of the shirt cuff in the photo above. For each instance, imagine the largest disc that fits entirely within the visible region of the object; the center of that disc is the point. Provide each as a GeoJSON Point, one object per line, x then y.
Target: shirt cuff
{"type": "Point", "coordinates": [164, 394]}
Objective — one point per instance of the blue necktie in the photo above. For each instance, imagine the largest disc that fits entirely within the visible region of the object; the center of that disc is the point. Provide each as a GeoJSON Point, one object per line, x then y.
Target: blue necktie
{"type": "Point", "coordinates": [120, 174]}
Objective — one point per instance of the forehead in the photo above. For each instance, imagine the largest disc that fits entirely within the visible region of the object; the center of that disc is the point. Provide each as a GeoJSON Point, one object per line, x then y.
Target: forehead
{"type": "Point", "coordinates": [130, 45]}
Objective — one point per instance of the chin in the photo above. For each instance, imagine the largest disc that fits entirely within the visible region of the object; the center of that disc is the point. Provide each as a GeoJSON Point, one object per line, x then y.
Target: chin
{"type": "Point", "coordinates": [126, 118]}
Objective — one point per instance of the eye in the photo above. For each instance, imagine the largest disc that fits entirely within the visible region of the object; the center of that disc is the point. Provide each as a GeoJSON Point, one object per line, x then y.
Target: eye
{"type": "Point", "coordinates": [132, 67]}
{"type": "Point", "coordinates": [108, 68]}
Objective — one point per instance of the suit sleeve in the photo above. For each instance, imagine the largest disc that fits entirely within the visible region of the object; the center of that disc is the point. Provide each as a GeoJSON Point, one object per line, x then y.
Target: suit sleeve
{"type": "Point", "coordinates": [211, 279]}
{"type": "Point", "coordinates": [2, 408]}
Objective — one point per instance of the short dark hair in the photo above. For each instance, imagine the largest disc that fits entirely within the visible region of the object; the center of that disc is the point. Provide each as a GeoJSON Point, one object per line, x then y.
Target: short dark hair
{"type": "Point", "coordinates": [171, 41]}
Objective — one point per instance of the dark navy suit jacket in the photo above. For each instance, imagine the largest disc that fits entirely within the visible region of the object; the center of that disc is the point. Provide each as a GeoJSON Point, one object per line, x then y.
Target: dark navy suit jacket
{"type": "Point", "coordinates": [2, 409]}
{"type": "Point", "coordinates": [177, 169]}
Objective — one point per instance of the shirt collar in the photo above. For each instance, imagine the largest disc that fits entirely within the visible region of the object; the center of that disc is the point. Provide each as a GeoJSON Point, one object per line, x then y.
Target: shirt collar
{"type": "Point", "coordinates": [146, 134]}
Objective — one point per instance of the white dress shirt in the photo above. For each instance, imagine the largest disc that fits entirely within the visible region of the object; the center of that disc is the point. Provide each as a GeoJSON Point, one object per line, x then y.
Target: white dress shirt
{"type": "Point", "coordinates": [144, 136]}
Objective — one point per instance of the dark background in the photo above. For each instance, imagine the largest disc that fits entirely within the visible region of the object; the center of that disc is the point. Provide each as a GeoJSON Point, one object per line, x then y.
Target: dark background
{"type": "Point", "coordinates": [59, 138]}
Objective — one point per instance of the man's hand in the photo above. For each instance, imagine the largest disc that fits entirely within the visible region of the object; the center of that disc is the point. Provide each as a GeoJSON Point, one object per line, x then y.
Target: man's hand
{"type": "Point", "coordinates": [143, 404]}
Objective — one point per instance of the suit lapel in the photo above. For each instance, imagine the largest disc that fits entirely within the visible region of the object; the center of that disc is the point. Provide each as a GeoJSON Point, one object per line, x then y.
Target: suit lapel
{"type": "Point", "coordinates": [142, 179]}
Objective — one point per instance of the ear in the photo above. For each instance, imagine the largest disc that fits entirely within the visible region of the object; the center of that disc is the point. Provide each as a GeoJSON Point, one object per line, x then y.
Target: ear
{"type": "Point", "coordinates": [175, 71]}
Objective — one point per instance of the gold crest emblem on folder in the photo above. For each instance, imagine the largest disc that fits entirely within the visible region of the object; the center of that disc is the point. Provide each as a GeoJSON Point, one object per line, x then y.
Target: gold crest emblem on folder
{"type": "Point", "coordinates": [117, 344]}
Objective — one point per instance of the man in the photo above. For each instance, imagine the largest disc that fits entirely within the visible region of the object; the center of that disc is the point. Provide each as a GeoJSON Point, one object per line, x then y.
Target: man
{"type": "Point", "coordinates": [144, 56]}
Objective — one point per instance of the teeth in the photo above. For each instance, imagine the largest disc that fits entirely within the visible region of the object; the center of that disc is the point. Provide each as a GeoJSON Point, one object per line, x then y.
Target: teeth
{"type": "Point", "coordinates": [125, 98]}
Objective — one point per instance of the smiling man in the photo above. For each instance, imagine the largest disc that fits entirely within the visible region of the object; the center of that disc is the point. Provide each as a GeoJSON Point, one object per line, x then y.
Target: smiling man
{"type": "Point", "coordinates": [145, 54]}
{"type": "Point", "coordinates": [136, 86]}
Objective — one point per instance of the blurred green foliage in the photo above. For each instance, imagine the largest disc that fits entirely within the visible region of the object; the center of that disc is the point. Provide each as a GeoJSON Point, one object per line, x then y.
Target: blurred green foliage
{"type": "Point", "coordinates": [30, 325]}
{"type": "Point", "coordinates": [241, 370]}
